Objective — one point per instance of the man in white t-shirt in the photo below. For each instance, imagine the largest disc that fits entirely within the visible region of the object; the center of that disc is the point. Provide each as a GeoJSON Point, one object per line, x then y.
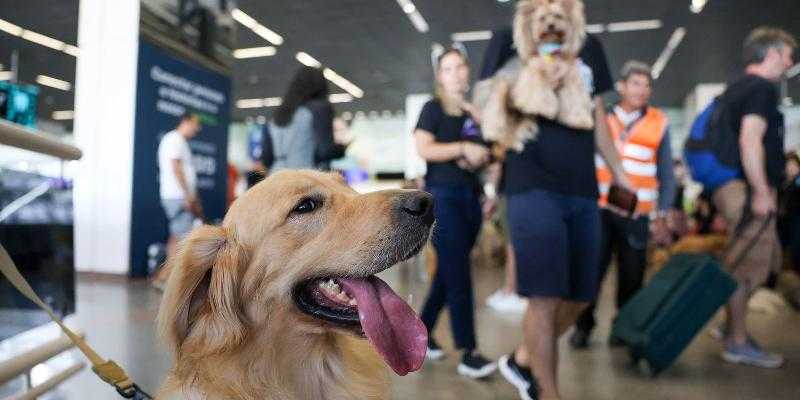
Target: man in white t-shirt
{"type": "Point", "coordinates": [178, 183]}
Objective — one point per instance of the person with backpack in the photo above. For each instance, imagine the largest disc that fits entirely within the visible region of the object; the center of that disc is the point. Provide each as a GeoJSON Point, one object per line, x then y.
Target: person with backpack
{"type": "Point", "coordinates": [641, 134]}
{"type": "Point", "coordinates": [735, 150]}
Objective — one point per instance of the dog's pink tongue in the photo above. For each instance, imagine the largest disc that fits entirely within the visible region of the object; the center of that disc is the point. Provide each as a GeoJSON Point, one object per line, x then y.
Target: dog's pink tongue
{"type": "Point", "coordinates": [389, 323]}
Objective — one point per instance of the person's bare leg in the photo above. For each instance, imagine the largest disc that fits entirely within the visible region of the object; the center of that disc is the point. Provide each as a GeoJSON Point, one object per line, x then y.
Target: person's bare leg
{"type": "Point", "coordinates": [539, 329]}
{"type": "Point", "coordinates": [510, 284]}
{"type": "Point", "coordinates": [521, 355]}
{"type": "Point", "coordinates": [568, 313]}
{"type": "Point", "coordinates": [737, 315]}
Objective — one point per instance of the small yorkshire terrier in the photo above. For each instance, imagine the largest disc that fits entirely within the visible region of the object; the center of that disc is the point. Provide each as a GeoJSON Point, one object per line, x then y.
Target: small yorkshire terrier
{"type": "Point", "coordinates": [545, 81]}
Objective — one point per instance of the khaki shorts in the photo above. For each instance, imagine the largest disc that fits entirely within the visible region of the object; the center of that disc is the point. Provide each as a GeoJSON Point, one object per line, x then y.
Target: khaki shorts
{"type": "Point", "coordinates": [765, 253]}
{"type": "Point", "coordinates": [180, 218]}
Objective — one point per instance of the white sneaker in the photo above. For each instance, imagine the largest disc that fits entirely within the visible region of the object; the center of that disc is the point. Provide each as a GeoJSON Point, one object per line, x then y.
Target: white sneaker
{"type": "Point", "coordinates": [506, 302]}
{"type": "Point", "coordinates": [495, 299]}
{"type": "Point", "coordinates": [515, 304]}
{"type": "Point", "coordinates": [434, 354]}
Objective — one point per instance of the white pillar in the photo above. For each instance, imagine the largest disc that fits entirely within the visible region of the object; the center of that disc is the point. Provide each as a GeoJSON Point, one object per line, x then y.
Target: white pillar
{"type": "Point", "coordinates": [105, 95]}
{"type": "Point", "coordinates": [415, 165]}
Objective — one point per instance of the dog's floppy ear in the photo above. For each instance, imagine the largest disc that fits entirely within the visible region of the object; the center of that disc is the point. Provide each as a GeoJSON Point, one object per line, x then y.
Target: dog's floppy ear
{"type": "Point", "coordinates": [577, 18]}
{"type": "Point", "coordinates": [201, 312]}
{"type": "Point", "coordinates": [523, 35]}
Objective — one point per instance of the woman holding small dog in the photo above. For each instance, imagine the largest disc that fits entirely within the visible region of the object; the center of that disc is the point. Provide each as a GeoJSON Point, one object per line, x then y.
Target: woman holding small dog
{"type": "Point", "coordinates": [448, 138]}
{"type": "Point", "coordinates": [545, 104]}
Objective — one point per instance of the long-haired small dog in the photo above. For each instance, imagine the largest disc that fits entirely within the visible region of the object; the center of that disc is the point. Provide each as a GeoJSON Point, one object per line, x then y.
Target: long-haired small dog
{"type": "Point", "coordinates": [274, 303]}
{"type": "Point", "coordinates": [545, 81]}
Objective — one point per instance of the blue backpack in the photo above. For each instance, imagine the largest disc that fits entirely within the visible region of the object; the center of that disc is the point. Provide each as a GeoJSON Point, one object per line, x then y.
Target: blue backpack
{"type": "Point", "coordinates": [712, 149]}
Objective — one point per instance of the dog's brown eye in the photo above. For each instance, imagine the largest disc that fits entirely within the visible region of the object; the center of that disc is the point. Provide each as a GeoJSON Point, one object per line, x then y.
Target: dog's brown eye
{"type": "Point", "coordinates": [306, 206]}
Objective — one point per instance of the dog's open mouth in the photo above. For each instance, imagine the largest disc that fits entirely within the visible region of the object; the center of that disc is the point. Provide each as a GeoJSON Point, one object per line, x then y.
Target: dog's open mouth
{"type": "Point", "coordinates": [368, 307]}
{"type": "Point", "coordinates": [552, 36]}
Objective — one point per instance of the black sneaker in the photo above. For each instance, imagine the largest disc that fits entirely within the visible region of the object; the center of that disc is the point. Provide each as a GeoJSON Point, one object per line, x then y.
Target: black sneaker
{"type": "Point", "coordinates": [579, 339]}
{"type": "Point", "coordinates": [435, 352]}
{"type": "Point", "coordinates": [519, 376]}
{"type": "Point", "coordinates": [475, 366]}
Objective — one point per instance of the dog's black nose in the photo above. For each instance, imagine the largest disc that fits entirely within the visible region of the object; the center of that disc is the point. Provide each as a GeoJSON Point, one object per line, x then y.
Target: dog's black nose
{"type": "Point", "coordinates": [417, 204]}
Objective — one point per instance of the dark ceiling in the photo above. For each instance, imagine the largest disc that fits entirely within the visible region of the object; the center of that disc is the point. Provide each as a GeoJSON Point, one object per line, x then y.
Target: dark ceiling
{"type": "Point", "coordinates": [373, 44]}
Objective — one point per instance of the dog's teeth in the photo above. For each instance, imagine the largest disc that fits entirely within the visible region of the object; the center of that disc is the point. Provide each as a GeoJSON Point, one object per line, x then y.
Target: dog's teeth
{"type": "Point", "coordinates": [343, 297]}
{"type": "Point", "coordinates": [353, 302]}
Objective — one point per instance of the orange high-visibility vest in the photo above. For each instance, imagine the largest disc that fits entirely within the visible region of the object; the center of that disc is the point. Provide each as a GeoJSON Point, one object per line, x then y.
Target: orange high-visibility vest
{"type": "Point", "coordinates": [638, 150]}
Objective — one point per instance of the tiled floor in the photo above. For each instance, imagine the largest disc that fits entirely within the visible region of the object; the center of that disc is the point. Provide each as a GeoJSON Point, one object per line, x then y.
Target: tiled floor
{"type": "Point", "coordinates": [118, 319]}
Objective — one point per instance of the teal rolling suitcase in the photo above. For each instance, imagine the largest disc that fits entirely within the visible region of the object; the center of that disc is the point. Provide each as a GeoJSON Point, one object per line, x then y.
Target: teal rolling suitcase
{"type": "Point", "coordinates": [659, 322]}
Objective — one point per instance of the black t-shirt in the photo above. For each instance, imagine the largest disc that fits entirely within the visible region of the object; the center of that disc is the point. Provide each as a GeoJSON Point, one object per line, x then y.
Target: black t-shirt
{"type": "Point", "coordinates": [752, 94]}
{"type": "Point", "coordinates": [560, 159]}
{"type": "Point", "coordinates": [447, 129]}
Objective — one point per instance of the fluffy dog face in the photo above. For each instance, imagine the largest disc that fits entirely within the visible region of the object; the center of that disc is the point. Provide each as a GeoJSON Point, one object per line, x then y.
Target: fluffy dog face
{"type": "Point", "coordinates": [559, 22]}
{"type": "Point", "coordinates": [299, 251]}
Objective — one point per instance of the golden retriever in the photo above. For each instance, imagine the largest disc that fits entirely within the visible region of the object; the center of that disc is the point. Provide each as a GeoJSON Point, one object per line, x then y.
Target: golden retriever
{"type": "Point", "coordinates": [275, 302]}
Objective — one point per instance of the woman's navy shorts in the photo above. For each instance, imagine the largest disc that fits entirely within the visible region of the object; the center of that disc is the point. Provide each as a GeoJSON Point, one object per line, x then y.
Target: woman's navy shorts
{"type": "Point", "coordinates": [556, 240]}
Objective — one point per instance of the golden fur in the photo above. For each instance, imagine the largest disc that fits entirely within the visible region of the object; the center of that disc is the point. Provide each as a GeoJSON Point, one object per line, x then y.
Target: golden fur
{"type": "Point", "coordinates": [548, 86]}
{"type": "Point", "coordinates": [228, 315]}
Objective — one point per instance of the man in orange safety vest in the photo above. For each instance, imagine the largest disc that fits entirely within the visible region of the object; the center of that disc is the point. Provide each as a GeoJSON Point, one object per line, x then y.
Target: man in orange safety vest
{"type": "Point", "coordinates": [641, 134]}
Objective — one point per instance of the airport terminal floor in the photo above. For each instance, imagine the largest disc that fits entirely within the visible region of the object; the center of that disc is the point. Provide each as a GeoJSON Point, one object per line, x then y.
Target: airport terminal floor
{"type": "Point", "coordinates": [122, 324]}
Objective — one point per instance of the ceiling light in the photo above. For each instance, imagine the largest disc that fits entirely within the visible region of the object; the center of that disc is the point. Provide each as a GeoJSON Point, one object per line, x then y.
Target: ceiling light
{"type": "Point", "coordinates": [472, 36]}
{"type": "Point", "coordinates": [343, 83]}
{"type": "Point", "coordinates": [502, 1]}
{"type": "Point", "coordinates": [253, 52]}
{"type": "Point", "coordinates": [419, 23]}
{"type": "Point", "coordinates": [307, 60]}
{"type": "Point", "coordinates": [71, 50]}
{"type": "Point", "coordinates": [242, 18]}
{"type": "Point", "coordinates": [666, 54]}
{"type": "Point", "coordinates": [249, 103]}
{"type": "Point", "coordinates": [413, 14]}
{"type": "Point", "coordinates": [63, 115]}
{"type": "Point", "coordinates": [258, 103]}
{"type": "Point", "coordinates": [272, 101]}
{"type": "Point", "coordinates": [260, 30]}
{"type": "Point", "coordinates": [697, 6]}
{"type": "Point", "coordinates": [268, 35]}
{"type": "Point", "coordinates": [595, 28]}
{"type": "Point", "coordinates": [43, 40]}
{"type": "Point", "coordinates": [634, 25]}
{"type": "Point", "coordinates": [53, 82]}
{"type": "Point", "coordinates": [38, 38]}
{"type": "Point", "coordinates": [6, 75]}
{"type": "Point", "coordinates": [340, 98]}
{"type": "Point", "coordinates": [10, 28]}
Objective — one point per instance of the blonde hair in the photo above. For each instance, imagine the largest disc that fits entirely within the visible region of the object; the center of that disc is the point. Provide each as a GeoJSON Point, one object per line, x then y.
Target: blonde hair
{"type": "Point", "coordinates": [449, 107]}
